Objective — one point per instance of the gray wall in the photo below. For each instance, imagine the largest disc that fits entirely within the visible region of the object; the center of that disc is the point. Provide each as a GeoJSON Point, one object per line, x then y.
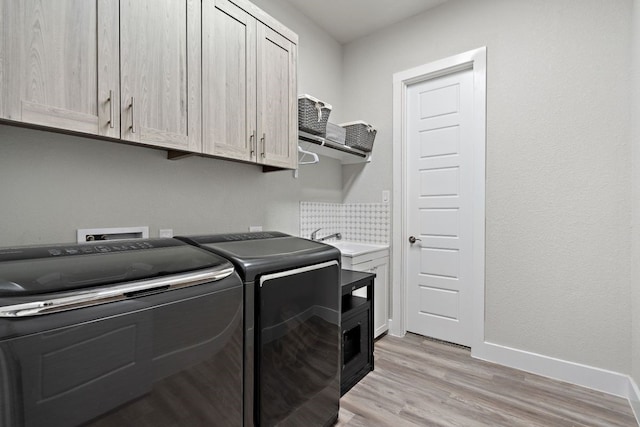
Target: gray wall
{"type": "Point", "coordinates": [52, 184]}
{"type": "Point", "coordinates": [320, 56]}
{"type": "Point", "coordinates": [558, 164]}
{"type": "Point", "coordinates": [635, 141]}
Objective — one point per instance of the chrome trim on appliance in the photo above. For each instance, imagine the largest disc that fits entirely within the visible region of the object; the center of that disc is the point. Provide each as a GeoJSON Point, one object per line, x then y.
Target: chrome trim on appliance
{"type": "Point", "coordinates": [72, 300]}
{"type": "Point", "coordinates": [297, 271]}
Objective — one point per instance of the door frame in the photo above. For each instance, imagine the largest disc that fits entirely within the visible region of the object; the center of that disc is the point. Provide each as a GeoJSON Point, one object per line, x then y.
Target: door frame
{"type": "Point", "coordinates": [476, 60]}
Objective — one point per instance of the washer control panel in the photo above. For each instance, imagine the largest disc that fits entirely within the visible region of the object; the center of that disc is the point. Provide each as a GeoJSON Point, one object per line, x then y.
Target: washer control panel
{"type": "Point", "coordinates": [99, 248]}
{"type": "Point", "coordinates": [102, 247]}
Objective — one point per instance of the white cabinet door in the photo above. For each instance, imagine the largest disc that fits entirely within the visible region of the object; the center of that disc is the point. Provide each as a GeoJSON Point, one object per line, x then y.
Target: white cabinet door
{"type": "Point", "coordinates": [160, 53]}
{"type": "Point", "coordinates": [381, 297]}
{"type": "Point", "coordinates": [59, 64]}
{"type": "Point", "coordinates": [380, 267]}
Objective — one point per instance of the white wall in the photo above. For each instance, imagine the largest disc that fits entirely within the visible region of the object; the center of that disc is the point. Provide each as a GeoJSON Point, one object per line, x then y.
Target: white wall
{"type": "Point", "coordinates": [558, 164]}
{"type": "Point", "coordinates": [52, 184]}
{"type": "Point", "coordinates": [635, 141]}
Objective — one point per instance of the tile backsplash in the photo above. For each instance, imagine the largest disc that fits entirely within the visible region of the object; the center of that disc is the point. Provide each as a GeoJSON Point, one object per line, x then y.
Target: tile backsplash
{"type": "Point", "coordinates": [358, 222]}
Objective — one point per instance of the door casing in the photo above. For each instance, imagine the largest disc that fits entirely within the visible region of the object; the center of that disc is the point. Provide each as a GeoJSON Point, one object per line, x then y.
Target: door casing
{"type": "Point", "coordinates": [476, 60]}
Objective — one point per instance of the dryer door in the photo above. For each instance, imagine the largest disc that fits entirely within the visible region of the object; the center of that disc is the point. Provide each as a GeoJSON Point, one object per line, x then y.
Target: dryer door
{"type": "Point", "coordinates": [297, 378]}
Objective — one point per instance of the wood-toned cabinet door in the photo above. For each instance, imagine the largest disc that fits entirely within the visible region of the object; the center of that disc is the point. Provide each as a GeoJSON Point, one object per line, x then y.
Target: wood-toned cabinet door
{"type": "Point", "coordinates": [228, 81]}
{"type": "Point", "coordinates": [277, 101]}
{"type": "Point", "coordinates": [59, 64]}
{"type": "Point", "coordinates": [160, 54]}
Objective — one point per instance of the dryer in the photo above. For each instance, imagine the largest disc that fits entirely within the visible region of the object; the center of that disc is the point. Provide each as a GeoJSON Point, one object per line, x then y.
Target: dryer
{"type": "Point", "coordinates": [292, 326]}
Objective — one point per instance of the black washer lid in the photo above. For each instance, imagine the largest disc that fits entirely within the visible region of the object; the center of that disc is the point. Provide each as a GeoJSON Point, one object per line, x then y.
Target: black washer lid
{"type": "Point", "coordinates": [264, 252]}
{"type": "Point", "coordinates": [32, 270]}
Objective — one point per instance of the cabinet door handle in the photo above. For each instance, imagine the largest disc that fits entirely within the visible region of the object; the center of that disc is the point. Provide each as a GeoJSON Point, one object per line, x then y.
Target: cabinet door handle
{"type": "Point", "coordinates": [252, 143]}
{"type": "Point", "coordinates": [264, 144]}
{"type": "Point", "coordinates": [111, 125]}
{"type": "Point", "coordinates": [133, 118]}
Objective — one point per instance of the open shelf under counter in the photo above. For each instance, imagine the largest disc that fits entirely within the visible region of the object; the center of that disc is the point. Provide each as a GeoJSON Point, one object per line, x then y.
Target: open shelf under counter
{"type": "Point", "coordinates": [326, 147]}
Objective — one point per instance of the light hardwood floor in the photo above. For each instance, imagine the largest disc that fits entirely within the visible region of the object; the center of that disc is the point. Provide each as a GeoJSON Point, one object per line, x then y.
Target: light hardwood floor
{"type": "Point", "coordinates": [419, 382]}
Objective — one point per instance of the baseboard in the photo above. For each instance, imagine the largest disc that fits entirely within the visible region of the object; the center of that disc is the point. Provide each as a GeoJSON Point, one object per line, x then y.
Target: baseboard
{"type": "Point", "coordinates": [634, 399]}
{"type": "Point", "coordinates": [394, 330]}
{"type": "Point", "coordinates": [575, 373]}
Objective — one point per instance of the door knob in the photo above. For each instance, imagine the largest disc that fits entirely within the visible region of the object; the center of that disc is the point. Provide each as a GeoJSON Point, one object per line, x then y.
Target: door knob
{"type": "Point", "coordinates": [412, 240]}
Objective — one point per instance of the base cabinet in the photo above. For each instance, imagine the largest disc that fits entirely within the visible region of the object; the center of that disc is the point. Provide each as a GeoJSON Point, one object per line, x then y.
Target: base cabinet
{"type": "Point", "coordinates": [377, 263]}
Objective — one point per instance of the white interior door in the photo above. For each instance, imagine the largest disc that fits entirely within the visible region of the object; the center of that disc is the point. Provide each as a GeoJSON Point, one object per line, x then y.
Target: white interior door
{"type": "Point", "coordinates": [439, 177]}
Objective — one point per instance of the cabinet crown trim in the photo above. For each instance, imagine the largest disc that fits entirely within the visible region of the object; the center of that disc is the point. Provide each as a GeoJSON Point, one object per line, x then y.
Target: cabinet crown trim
{"type": "Point", "coordinates": [266, 19]}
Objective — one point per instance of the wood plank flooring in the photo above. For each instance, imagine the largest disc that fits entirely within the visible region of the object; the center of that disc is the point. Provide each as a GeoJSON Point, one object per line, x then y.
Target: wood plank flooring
{"type": "Point", "coordinates": [419, 382]}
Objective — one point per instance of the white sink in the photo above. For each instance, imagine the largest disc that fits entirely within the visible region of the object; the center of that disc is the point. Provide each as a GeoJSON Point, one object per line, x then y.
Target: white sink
{"type": "Point", "coordinates": [353, 249]}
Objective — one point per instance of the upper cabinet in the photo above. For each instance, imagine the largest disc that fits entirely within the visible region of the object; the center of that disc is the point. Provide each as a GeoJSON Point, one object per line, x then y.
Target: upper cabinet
{"type": "Point", "coordinates": [59, 64]}
{"type": "Point", "coordinates": [160, 73]}
{"type": "Point", "coordinates": [216, 77]}
{"type": "Point", "coordinates": [277, 100]}
{"type": "Point", "coordinates": [229, 81]}
{"type": "Point", "coordinates": [249, 82]}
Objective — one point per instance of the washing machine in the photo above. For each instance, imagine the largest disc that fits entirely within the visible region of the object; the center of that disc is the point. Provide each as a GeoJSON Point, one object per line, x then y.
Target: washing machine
{"type": "Point", "coordinates": [292, 326]}
{"type": "Point", "coordinates": [121, 333]}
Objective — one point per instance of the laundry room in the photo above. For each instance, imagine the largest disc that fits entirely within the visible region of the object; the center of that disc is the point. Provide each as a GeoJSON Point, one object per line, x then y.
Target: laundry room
{"type": "Point", "coordinates": [490, 226]}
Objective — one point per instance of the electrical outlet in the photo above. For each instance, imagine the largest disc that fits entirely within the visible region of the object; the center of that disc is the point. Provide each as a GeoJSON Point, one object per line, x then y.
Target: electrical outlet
{"type": "Point", "coordinates": [166, 232]}
{"type": "Point", "coordinates": [386, 195]}
{"type": "Point", "coordinates": [254, 228]}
